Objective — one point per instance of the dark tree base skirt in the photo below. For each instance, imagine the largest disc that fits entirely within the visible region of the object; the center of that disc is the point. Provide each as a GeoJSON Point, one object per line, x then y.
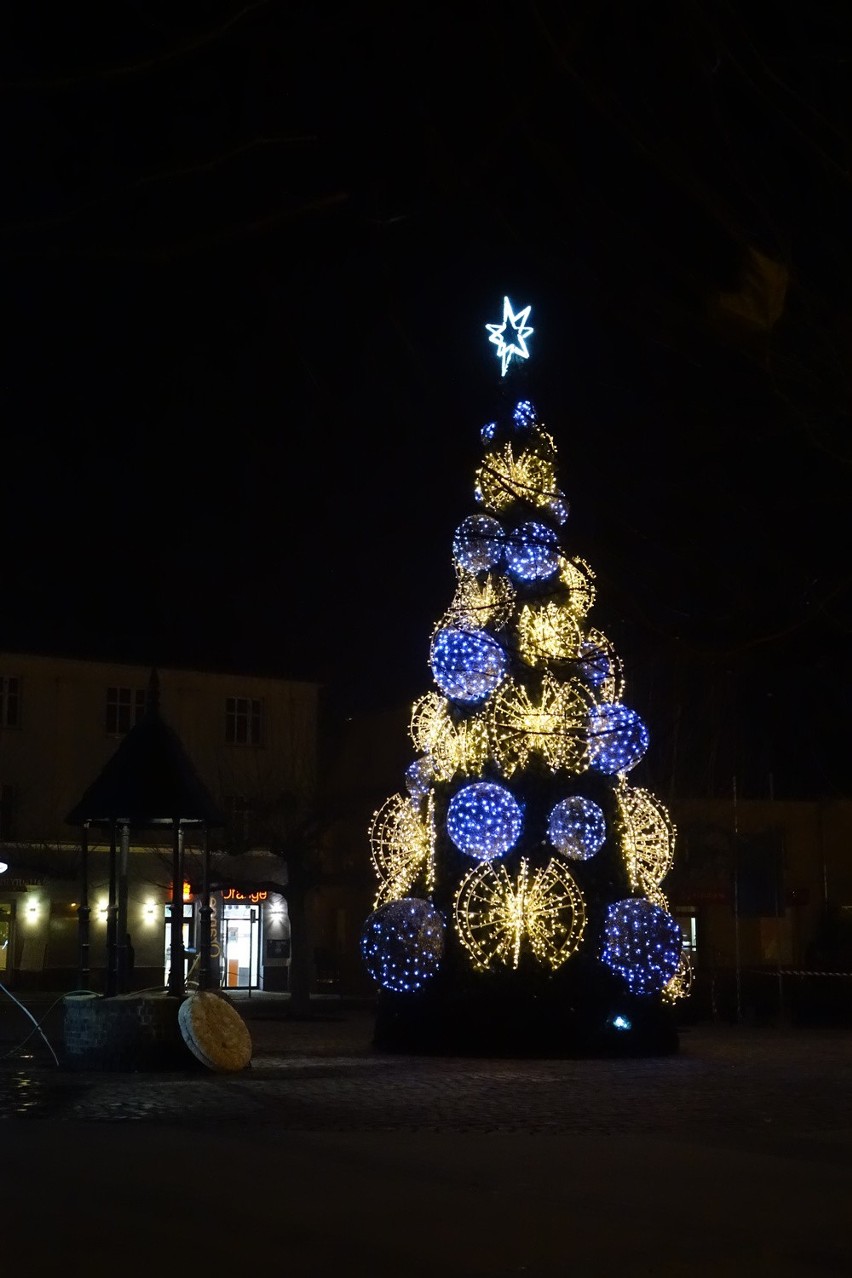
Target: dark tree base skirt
{"type": "Point", "coordinates": [468, 1026]}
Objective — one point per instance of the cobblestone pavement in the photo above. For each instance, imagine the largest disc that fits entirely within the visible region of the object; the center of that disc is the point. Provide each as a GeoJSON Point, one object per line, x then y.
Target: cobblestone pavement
{"type": "Point", "coordinates": [732, 1157]}
{"type": "Point", "coordinates": [754, 1087]}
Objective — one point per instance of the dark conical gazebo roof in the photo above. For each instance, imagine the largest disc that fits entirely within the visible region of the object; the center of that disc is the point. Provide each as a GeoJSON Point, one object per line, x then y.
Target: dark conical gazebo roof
{"type": "Point", "coordinates": [150, 780]}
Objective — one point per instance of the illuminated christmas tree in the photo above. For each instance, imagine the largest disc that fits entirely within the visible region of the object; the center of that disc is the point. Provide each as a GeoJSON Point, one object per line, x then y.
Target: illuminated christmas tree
{"type": "Point", "coordinates": [520, 904]}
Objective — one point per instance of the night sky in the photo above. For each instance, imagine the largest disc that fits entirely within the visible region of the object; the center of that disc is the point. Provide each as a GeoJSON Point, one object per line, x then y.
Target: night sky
{"type": "Point", "coordinates": [249, 252]}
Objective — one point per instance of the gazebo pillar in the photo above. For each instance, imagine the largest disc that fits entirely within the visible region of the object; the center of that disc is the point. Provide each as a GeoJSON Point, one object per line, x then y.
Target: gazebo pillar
{"type": "Point", "coordinates": [122, 955]}
{"type": "Point", "coordinates": [111, 982]}
{"type": "Point", "coordinates": [206, 912]}
{"type": "Point", "coordinates": [177, 978]}
{"type": "Point", "coordinates": [84, 974]}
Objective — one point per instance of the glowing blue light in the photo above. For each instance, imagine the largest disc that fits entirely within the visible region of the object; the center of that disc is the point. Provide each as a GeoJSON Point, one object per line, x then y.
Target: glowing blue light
{"type": "Point", "coordinates": [510, 336]}
{"type": "Point", "coordinates": [484, 820]}
{"type": "Point", "coordinates": [524, 414]}
{"type": "Point", "coordinates": [621, 1022]}
{"type": "Point", "coordinates": [402, 944]}
{"type": "Point", "coordinates": [577, 828]}
{"type": "Point", "coordinates": [532, 552]}
{"type": "Point", "coordinates": [594, 664]}
{"type": "Point", "coordinates": [617, 738]}
{"type": "Point", "coordinates": [558, 508]}
{"type": "Point", "coordinates": [642, 943]}
{"type": "Point", "coordinates": [478, 543]}
{"type": "Point", "coordinates": [489, 430]}
{"type": "Point", "coordinates": [419, 776]}
{"type": "Point", "coordinates": [467, 665]}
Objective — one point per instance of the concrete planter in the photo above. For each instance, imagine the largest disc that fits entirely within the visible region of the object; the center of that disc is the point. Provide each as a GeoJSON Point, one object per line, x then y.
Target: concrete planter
{"type": "Point", "coordinates": [127, 1032]}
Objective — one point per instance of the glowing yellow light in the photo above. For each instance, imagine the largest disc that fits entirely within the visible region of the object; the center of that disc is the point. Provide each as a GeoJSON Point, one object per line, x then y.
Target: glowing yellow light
{"type": "Point", "coordinates": [555, 728]}
{"type": "Point", "coordinates": [504, 478]}
{"type": "Point", "coordinates": [680, 984]}
{"type": "Point", "coordinates": [403, 844]}
{"type": "Point", "coordinates": [453, 747]}
{"type": "Point", "coordinates": [657, 896]}
{"type": "Point", "coordinates": [547, 632]}
{"type": "Point", "coordinates": [612, 687]}
{"type": "Point", "coordinates": [576, 574]}
{"type": "Point", "coordinates": [477, 604]}
{"type": "Point", "coordinates": [647, 839]}
{"type": "Point", "coordinates": [495, 915]}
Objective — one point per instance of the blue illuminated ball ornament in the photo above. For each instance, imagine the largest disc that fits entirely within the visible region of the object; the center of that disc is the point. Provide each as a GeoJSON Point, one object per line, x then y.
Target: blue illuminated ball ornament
{"type": "Point", "coordinates": [419, 776]}
{"type": "Point", "coordinates": [467, 664]}
{"type": "Point", "coordinates": [524, 414]}
{"type": "Point", "coordinates": [593, 664]}
{"type": "Point", "coordinates": [489, 430]}
{"type": "Point", "coordinates": [484, 820]}
{"type": "Point", "coordinates": [617, 739]}
{"type": "Point", "coordinates": [532, 552]}
{"type": "Point", "coordinates": [577, 828]}
{"type": "Point", "coordinates": [642, 943]}
{"type": "Point", "coordinates": [402, 944]}
{"type": "Point", "coordinates": [478, 543]}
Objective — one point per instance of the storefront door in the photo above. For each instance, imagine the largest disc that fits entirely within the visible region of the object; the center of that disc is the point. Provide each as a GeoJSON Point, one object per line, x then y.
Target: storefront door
{"type": "Point", "coordinates": [240, 948]}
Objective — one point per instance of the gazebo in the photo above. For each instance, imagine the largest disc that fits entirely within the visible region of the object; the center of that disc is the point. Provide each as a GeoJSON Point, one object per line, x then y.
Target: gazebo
{"type": "Point", "coordinates": [149, 783]}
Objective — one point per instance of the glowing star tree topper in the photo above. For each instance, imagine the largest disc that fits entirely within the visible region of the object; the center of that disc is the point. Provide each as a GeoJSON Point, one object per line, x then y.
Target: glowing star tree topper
{"type": "Point", "coordinates": [510, 336]}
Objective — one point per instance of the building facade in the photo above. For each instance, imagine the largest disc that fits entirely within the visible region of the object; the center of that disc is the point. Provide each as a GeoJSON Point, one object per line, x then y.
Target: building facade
{"type": "Point", "coordinates": [763, 892]}
{"type": "Point", "coordinates": [253, 742]}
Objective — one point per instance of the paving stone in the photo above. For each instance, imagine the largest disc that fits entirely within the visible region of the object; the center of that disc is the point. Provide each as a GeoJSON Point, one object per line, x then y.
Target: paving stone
{"type": "Point", "coordinates": [730, 1084]}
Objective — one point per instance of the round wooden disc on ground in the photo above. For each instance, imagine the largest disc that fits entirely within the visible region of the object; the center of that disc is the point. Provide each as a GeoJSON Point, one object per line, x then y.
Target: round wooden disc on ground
{"type": "Point", "coordinates": [215, 1032]}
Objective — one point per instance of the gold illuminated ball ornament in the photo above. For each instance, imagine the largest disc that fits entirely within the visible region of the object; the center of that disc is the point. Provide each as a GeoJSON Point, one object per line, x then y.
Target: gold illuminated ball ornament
{"type": "Point", "coordinates": [497, 914]}
{"type": "Point", "coordinates": [452, 745]}
{"type": "Point", "coordinates": [402, 839]}
{"type": "Point", "coordinates": [481, 603]}
{"type": "Point", "coordinates": [548, 633]}
{"type": "Point", "coordinates": [549, 723]}
{"type": "Point", "coordinates": [647, 837]}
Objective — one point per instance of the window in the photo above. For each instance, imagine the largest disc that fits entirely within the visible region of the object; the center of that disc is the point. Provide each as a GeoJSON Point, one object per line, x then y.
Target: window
{"type": "Point", "coordinates": [688, 925]}
{"type": "Point", "coordinates": [242, 721]}
{"type": "Point", "coordinates": [238, 819]}
{"type": "Point", "coordinates": [124, 707]}
{"type": "Point", "coordinates": [10, 702]}
{"type": "Point", "coordinates": [8, 804]}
